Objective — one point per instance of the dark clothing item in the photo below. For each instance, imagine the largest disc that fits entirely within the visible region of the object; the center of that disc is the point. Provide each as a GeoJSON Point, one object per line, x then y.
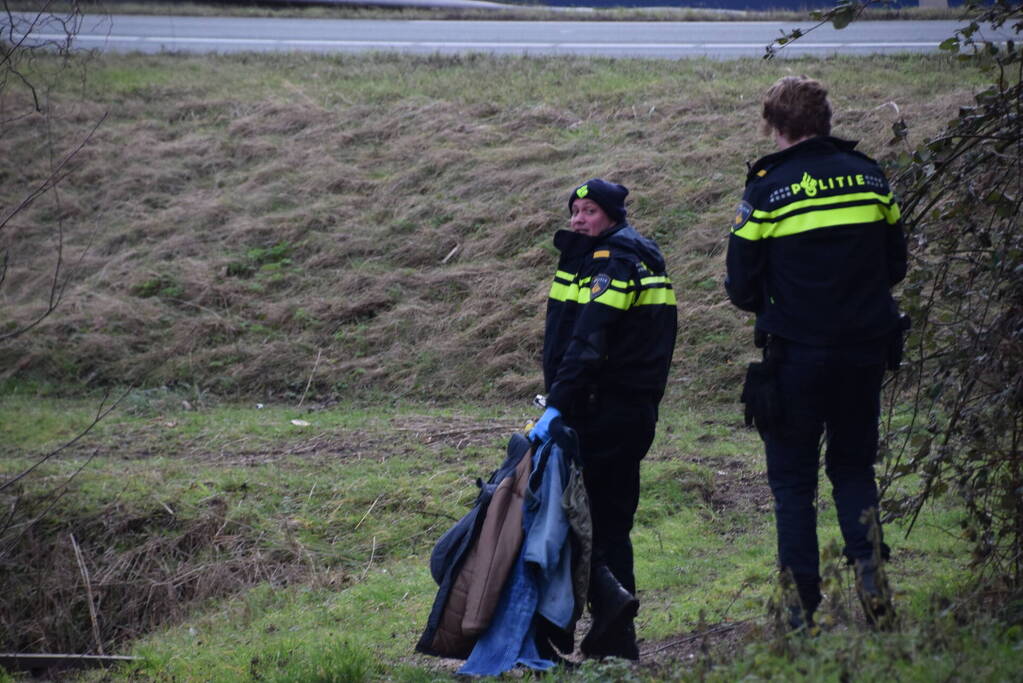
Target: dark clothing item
{"type": "Point", "coordinates": [611, 322]}
{"type": "Point", "coordinates": [837, 390]}
{"type": "Point", "coordinates": [613, 446]}
{"type": "Point", "coordinates": [609, 338]}
{"type": "Point", "coordinates": [611, 456]}
{"type": "Point", "coordinates": [816, 246]}
{"type": "Point", "coordinates": [444, 635]}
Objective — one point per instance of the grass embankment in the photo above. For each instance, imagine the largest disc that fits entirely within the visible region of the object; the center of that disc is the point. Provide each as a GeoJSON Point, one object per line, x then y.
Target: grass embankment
{"type": "Point", "coordinates": [283, 551]}
{"type": "Point", "coordinates": [260, 225]}
{"type": "Point", "coordinates": [374, 226]}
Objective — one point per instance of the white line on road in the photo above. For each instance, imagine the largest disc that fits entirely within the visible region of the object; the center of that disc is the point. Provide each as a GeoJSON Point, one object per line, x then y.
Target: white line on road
{"type": "Point", "coordinates": [298, 42]}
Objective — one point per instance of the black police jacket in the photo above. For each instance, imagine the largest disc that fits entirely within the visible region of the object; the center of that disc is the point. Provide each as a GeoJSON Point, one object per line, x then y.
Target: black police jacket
{"type": "Point", "coordinates": [611, 322]}
{"type": "Point", "coordinates": [816, 246]}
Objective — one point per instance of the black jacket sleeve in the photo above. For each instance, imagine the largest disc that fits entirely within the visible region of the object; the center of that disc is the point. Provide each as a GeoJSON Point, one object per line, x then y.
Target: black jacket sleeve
{"type": "Point", "coordinates": [744, 280]}
{"type": "Point", "coordinates": [587, 351]}
{"type": "Point", "coordinates": [897, 254]}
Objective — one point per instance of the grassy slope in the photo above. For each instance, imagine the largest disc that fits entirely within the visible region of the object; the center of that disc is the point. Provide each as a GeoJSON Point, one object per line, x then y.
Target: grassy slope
{"type": "Point", "coordinates": [251, 213]}
{"type": "Point", "coordinates": [337, 519]}
{"type": "Point", "coordinates": [383, 224]}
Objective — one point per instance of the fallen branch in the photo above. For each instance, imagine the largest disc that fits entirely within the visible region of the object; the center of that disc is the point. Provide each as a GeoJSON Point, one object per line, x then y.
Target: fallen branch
{"type": "Point", "coordinates": [88, 594]}
{"type": "Point", "coordinates": [372, 554]}
{"type": "Point", "coordinates": [695, 636]}
{"type": "Point", "coordinates": [319, 352]}
{"type": "Point", "coordinates": [374, 504]}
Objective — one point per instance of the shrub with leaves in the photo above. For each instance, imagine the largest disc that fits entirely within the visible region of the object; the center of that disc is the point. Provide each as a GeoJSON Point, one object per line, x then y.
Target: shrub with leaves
{"type": "Point", "coordinates": [961, 194]}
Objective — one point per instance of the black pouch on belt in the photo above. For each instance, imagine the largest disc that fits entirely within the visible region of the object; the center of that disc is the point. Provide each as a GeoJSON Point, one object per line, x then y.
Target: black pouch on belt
{"type": "Point", "coordinates": [760, 393]}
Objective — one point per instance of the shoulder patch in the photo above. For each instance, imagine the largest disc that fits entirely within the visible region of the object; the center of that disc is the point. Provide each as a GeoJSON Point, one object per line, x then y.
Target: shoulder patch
{"type": "Point", "coordinates": [602, 253]}
{"type": "Point", "coordinates": [742, 214]}
{"type": "Point", "coordinates": [599, 285]}
{"type": "Point", "coordinates": [761, 173]}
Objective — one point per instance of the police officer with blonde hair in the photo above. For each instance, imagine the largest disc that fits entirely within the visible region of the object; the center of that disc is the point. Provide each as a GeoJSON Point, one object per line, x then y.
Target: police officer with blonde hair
{"type": "Point", "coordinates": [815, 248]}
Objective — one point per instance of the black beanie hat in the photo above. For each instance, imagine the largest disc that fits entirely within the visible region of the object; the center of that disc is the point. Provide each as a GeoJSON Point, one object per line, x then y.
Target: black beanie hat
{"type": "Point", "coordinates": [609, 196]}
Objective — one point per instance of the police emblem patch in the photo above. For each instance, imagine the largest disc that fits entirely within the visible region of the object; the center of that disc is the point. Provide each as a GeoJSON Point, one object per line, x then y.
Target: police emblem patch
{"type": "Point", "coordinates": [742, 214]}
{"type": "Point", "coordinates": [600, 285]}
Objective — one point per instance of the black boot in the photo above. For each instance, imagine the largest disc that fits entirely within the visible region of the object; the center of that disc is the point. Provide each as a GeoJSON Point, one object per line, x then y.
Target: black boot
{"type": "Point", "coordinates": [618, 641]}
{"type": "Point", "coordinates": [801, 597]}
{"type": "Point", "coordinates": [613, 608]}
{"type": "Point", "coordinates": [800, 618]}
{"type": "Point", "coordinates": [875, 594]}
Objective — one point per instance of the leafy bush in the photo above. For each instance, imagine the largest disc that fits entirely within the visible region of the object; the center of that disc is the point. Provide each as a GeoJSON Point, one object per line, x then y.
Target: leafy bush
{"type": "Point", "coordinates": [961, 195]}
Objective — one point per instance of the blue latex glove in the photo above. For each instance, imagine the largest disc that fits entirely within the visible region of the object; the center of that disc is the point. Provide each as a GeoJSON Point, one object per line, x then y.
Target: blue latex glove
{"type": "Point", "coordinates": [542, 430]}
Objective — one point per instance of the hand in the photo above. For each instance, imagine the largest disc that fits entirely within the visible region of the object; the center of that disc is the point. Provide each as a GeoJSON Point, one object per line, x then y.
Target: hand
{"type": "Point", "coordinates": [542, 431]}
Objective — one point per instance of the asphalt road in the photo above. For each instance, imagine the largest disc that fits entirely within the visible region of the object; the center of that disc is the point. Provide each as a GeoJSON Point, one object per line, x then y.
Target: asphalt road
{"type": "Point", "coordinates": [725, 40]}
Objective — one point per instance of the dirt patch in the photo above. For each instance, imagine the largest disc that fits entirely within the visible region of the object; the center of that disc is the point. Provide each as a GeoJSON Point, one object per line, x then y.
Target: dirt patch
{"type": "Point", "coordinates": [399, 436]}
{"type": "Point", "coordinates": [459, 432]}
{"type": "Point", "coordinates": [668, 656]}
{"type": "Point", "coordinates": [737, 488]}
{"type": "Point", "coordinates": [685, 649]}
{"type": "Point", "coordinates": [737, 493]}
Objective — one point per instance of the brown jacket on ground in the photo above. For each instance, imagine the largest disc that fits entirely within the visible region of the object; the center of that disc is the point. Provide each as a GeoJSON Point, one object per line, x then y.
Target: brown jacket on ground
{"type": "Point", "coordinates": [477, 588]}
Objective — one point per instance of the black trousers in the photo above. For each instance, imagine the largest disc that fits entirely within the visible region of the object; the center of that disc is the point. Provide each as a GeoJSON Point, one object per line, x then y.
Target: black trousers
{"type": "Point", "coordinates": [612, 447]}
{"type": "Point", "coordinates": [835, 392]}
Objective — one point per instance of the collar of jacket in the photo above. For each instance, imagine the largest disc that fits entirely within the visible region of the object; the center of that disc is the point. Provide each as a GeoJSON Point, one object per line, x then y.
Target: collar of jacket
{"type": "Point", "coordinates": [572, 244]}
{"type": "Point", "coordinates": [821, 144]}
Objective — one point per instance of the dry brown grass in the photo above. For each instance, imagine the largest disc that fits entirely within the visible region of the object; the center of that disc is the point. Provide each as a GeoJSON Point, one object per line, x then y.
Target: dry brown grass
{"type": "Point", "coordinates": [139, 572]}
{"type": "Point", "coordinates": [391, 215]}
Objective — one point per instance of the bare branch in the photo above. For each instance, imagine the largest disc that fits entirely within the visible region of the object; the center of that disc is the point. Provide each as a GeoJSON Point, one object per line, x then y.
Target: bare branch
{"type": "Point", "coordinates": [61, 279]}
{"type": "Point", "coordinates": [102, 411]}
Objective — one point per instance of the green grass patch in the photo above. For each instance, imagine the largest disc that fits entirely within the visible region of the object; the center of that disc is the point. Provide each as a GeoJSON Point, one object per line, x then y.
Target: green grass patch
{"type": "Point", "coordinates": [339, 518]}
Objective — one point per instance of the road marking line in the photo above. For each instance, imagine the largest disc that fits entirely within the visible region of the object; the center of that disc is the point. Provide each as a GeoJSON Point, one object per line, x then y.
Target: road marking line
{"type": "Point", "coordinates": [300, 42]}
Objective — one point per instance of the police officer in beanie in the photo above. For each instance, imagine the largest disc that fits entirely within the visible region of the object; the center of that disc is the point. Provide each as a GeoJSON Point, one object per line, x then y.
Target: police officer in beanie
{"type": "Point", "coordinates": [815, 248]}
{"type": "Point", "coordinates": [609, 337]}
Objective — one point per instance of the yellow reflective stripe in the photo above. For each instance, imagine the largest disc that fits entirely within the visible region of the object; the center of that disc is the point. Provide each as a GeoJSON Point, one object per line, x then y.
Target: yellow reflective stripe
{"type": "Point", "coordinates": [655, 280]}
{"type": "Point", "coordinates": [621, 284]}
{"type": "Point", "coordinates": [615, 299]}
{"type": "Point", "coordinates": [659, 295]}
{"type": "Point", "coordinates": [775, 216]}
{"type": "Point", "coordinates": [750, 231]}
{"type": "Point", "coordinates": [894, 213]}
{"type": "Point", "coordinates": [561, 292]}
{"type": "Point", "coordinates": [655, 290]}
{"type": "Point", "coordinates": [820, 218]}
{"type": "Point", "coordinates": [562, 275]}
{"type": "Point", "coordinates": [826, 218]}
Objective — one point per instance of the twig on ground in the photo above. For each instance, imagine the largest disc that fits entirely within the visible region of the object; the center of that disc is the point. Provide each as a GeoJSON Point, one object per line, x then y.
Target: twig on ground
{"type": "Point", "coordinates": [695, 636]}
{"type": "Point", "coordinates": [88, 595]}
{"type": "Point", "coordinates": [450, 254]}
{"type": "Point", "coordinates": [319, 352]}
{"type": "Point", "coordinates": [372, 554]}
{"type": "Point", "coordinates": [456, 432]}
{"type": "Point", "coordinates": [367, 514]}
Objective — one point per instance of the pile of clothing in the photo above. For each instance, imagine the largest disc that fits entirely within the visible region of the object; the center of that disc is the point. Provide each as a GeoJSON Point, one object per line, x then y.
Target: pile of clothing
{"type": "Point", "coordinates": [516, 565]}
